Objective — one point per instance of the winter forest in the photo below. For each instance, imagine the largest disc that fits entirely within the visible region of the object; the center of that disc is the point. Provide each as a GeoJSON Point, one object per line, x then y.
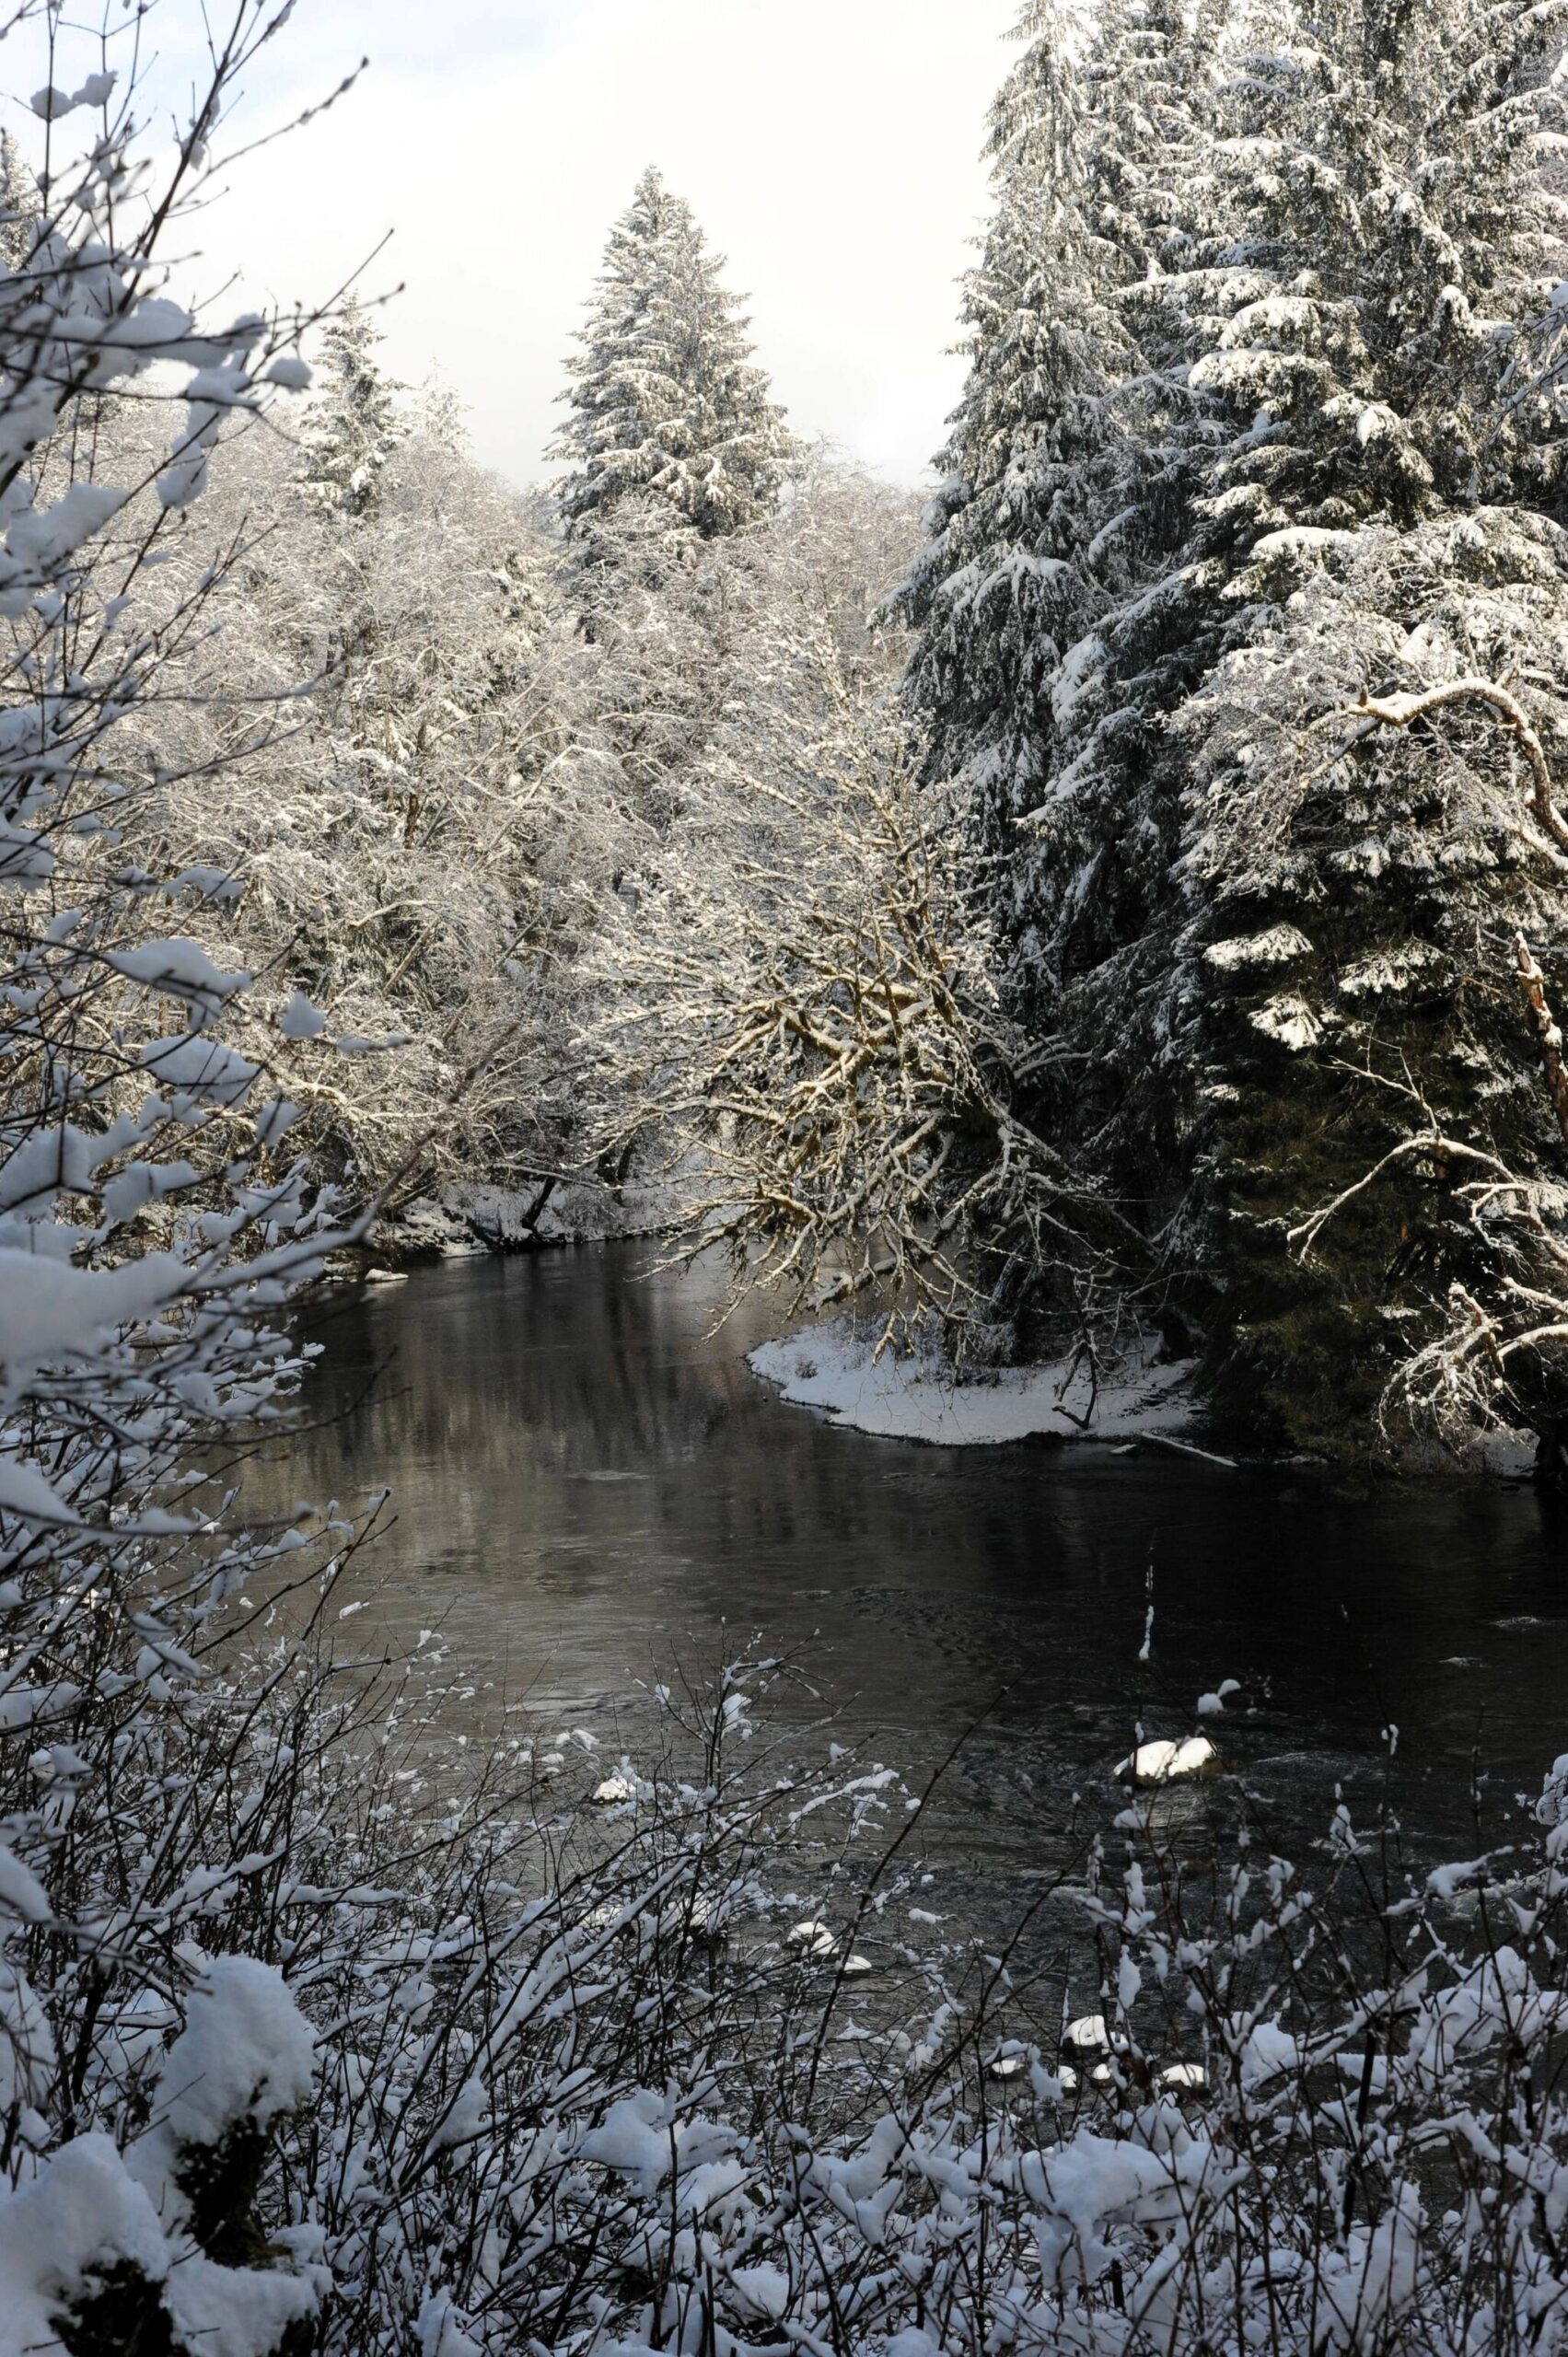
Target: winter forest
{"type": "Point", "coordinates": [784, 1252]}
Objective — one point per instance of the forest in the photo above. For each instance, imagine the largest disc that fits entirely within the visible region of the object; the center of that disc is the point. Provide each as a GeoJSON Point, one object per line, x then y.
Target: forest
{"type": "Point", "coordinates": [1085, 930]}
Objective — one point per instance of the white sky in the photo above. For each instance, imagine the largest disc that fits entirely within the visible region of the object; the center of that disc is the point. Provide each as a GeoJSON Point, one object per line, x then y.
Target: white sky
{"type": "Point", "coordinates": [829, 148]}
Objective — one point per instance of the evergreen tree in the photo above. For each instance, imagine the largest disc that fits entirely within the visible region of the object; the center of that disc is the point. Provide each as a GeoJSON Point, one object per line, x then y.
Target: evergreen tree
{"type": "Point", "coordinates": [664, 399]}
{"type": "Point", "coordinates": [352, 427]}
{"type": "Point", "coordinates": [1318, 470]}
{"type": "Point", "coordinates": [1070, 472]}
{"type": "Point", "coordinates": [21, 206]}
{"type": "Point", "coordinates": [1384, 517]}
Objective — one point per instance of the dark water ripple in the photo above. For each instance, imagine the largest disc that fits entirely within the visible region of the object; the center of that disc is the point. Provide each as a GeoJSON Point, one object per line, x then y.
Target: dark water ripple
{"type": "Point", "coordinates": [590, 1484]}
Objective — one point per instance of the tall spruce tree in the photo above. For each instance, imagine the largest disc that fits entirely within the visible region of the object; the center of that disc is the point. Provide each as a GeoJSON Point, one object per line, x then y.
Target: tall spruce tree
{"type": "Point", "coordinates": [666, 404]}
{"type": "Point", "coordinates": [1320, 234]}
{"type": "Point", "coordinates": [1044, 628]}
{"type": "Point", "coordinates": [1384, 516]}
{"type": "Point", "coordinates": [352, 427]}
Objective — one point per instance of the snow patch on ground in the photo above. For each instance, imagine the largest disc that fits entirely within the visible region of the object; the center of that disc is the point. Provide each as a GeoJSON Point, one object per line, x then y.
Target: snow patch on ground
{"type": "Point", "coordinates": [831, 1367]}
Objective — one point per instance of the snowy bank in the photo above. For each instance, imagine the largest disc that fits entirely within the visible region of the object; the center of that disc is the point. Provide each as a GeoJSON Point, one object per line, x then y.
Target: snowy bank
{"type": "Point", "coordinates": [476, 1218]}
{"type": "Point", "coordinates": [832, 1367]}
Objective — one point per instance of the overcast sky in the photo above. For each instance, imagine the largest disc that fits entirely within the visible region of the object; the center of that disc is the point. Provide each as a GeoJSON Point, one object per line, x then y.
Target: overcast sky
{"type": "Point", "coordinates": [829, 148]}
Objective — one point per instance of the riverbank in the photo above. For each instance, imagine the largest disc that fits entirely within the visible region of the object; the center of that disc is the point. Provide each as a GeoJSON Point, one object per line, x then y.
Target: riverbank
{"type": "Point", "coordinates": [834, 1367]}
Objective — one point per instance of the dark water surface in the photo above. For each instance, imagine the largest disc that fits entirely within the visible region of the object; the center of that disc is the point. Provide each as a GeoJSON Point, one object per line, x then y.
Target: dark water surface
{"type": "Point", "coordinates": [589, 1485]}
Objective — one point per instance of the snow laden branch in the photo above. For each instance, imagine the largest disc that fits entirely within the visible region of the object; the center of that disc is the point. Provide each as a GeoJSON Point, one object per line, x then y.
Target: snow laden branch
{"type": "Point", "coordinates": [1402, 710]}
{"type": "Point", "coordinates": [155, 1225]}
{"type": "Point", "coordinates": [1497, 1353]}
{"type": "Point", "coordinates": [794, 1010]}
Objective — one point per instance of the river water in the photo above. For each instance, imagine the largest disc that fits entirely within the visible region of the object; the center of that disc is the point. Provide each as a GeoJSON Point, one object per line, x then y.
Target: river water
{"type": "Point", "coordinates": [591, 1486]}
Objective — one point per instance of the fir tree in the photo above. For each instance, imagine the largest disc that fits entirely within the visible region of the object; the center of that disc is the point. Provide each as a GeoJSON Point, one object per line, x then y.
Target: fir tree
{"type": "Point", "coordinates": [352, 427]}
{"type": "Point", "coordinates": [665, 400]}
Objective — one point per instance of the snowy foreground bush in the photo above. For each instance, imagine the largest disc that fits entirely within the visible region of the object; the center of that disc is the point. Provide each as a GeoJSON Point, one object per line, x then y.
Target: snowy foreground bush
{"type": "Point", "coordinates": [341, 2052]}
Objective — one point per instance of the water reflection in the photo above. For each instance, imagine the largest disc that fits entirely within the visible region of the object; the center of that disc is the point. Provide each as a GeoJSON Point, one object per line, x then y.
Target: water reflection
{"type": "Point", "coordinates": [589, 1484]}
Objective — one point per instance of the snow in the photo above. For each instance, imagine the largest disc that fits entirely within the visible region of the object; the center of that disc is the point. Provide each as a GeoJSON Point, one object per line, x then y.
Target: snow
{"type": "Point", "coordinates": [1160, 1763]}
{"type": "Point", "coordinates": [234, 2311]}
{"type": "Point", "coordinates": [203, 1069]}
{"type": "Point", "coordinates": [23, 1490]}
{"type": "Point", "coordinates": [179, 969]}
{"type": "Point", "coordinates": [83, 2212]}
{"type": "Point", "coordinates": [1278, 945]}
{"type": "Point", "coordinates": [246, 2052]}
{"type": "Point", "coordinates": [50, 1311]}
{"type": "Point", "coordinates": [300, 1019]}
{"type": "Point", "coordinates": [21, 1893]}
{"type": "Point", "coordinates": [831, 1367]}
{"type": "Point", "coordinates": [1087, 2034]}
{"type": "Point", "coordinates": [1288, 1019]}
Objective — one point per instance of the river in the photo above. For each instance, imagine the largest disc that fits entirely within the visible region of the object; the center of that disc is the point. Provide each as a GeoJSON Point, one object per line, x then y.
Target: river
{"type": "Point", "coordinates": [591, 1486]}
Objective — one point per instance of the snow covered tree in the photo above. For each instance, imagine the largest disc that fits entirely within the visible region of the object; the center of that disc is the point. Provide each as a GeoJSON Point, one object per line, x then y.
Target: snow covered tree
{"type": "Point", "coordinates": [1324, 239]}
{"type": "Point", "coordinates": [351, 429]}
{"type": "Point", "coordinates": [21, 205]}
{"type": "Point", "coordinates": [395, 855]}
{"type": "Point", "coordinates": [793, 1013]}
{"type": "Point", "coordinates": [1071, 472]}
{"type": "Point", "coordinates": [1385, 519]}
{"type": "Point", "coordinates": [665, 398]}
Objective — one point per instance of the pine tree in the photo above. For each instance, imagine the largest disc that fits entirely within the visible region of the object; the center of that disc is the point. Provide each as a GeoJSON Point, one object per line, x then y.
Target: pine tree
{"type": "Point", "coordinates": [352, 427]}
{"type": "Point", "coordinates": [666, 403]}
{"type": "Point", "coordinates": [998, 596]}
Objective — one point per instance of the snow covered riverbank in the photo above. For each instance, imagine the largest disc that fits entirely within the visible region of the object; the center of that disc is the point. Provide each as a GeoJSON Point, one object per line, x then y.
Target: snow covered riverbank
{"type": "Point", "coordinates": [832, 1367]}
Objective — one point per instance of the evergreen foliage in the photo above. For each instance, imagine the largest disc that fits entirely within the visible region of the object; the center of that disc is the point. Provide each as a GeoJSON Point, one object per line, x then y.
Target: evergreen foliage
{"type": "Point", "coordinates": [665, 398]}
{"type": "Point", "coordinates": [1309, 458]}
{"type": "Point", "coordinates": [352, 427]}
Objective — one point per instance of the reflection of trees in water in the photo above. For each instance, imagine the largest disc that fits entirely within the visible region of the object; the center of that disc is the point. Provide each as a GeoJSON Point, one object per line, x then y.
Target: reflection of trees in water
{"type": "Point", "coordinates": [565, 1358]}
{"type": "Point", "coordinates": [585, 1475]}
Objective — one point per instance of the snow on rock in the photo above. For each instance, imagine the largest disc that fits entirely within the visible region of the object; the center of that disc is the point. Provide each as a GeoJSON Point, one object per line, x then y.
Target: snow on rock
{"type": "Point", "coordinates": [1087, 2034]}
{"type": "Point", "coordinates": [1210, 1705]}
{"type": "Point", "coordinates": [614, 1791]}
{"type": "Point", "coordinates": [1159, 1762]}
{"type": "Point", "coordinates": [814, 1937]}
{"type": "Point", "coordinates": [832, 1367]}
